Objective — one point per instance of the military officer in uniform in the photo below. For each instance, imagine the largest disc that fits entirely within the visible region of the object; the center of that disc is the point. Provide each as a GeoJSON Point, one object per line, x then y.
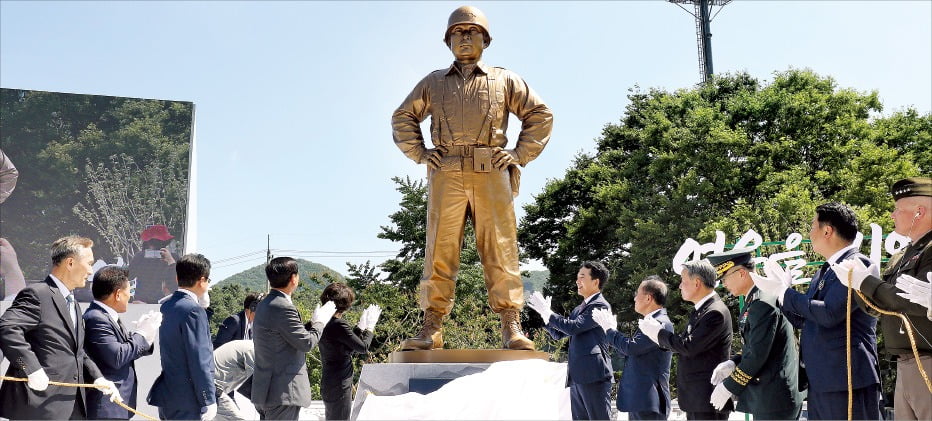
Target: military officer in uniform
{"type": "Point", "coordinates": [764, 375]}
{"type": "Point", "coordinates": [912, 217]}
{"type": "Point", "coordinates": [471, 175]}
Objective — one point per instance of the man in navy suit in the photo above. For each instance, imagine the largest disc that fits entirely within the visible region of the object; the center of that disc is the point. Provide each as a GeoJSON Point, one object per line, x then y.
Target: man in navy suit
{"type": "Point", "coordinates": [705, 343]}
{"type": "Point", "coordinates": [185, 389]}
{"type": "Point", "coordinates": [110, 345]}
{"type": "Point", "coordinates": [589, 371]}
{"type": "Point", "coordinates": [645, 380]}
{"type": "Point", "coordinates": [821, 314]}
{"type": "Point", "coordinates": [42, 334]}
{"type": "Point", "coordinates": [238, 326]}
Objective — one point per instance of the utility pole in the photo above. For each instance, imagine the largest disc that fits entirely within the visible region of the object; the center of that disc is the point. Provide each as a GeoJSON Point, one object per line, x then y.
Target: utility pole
{"type": "Point", "coordinates": [268, 258]}
{"type": "Point", "coordinates": [702, 10]}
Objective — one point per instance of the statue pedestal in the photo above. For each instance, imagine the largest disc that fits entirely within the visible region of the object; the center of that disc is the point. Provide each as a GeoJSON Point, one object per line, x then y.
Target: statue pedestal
{"type": "Point", "coordinates": [426, 371]}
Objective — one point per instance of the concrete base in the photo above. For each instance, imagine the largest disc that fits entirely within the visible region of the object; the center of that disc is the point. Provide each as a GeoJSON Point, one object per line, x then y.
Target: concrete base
{"type": "Point", "coordinates": [392, 379]}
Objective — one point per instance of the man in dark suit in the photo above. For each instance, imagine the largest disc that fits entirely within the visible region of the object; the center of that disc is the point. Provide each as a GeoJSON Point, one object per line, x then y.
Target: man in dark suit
{"type": "Point", "coordinates": [280, 386]}
{"type": "Point", "coordinates": [705, 343]}
{"type": "Point", "coordinates": [238, 326]}
{"type": "Point", "coordinates": [589, 370]}
{"type": "Point", "coordinates": [821, 314]}
{"type": "Point", "coordinates": [645, 380]}
{"type": "Point", "coordinates": [110, 345]}
{"type": "Point", "coordinates": [185, 390]}
{"type": "Point", "coordinates": [764, 376]}
{"type": "Point", "coordinates": [42, 334]}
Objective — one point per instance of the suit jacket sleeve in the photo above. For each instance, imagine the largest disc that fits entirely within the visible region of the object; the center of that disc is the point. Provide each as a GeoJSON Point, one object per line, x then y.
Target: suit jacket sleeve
{"type": "Point", "coordinates": [103, 344]}
{"type": "Point", "coordinates": [709, 329]}
{"type": "Point", "coordinates": [15, 323]}
{"type": "Point", "coordinates": [356, 339]}
{"type": "Point", "coordinates": [576, 325]}
{"type": "Point", "coordinates": [884, 293]}
{"type": "Point", "coordinates": [554, 333]}
{"type": "Point", "coordinates": [757, 345]}
{"type": "Point", "coordinates": [200, 356]}
{"type": "Point", "coordinates": [828, 312]}
{"type": "Point", "coordinates": [635, 345]}
{"type": "Point", "coordinates": [301, 337]}
{"type": "Point", "coordinates": [227, 331]}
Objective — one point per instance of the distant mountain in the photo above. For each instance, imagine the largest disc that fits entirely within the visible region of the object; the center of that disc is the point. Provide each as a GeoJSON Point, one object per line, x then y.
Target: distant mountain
{"type": "Point", "coordinates": [535, 281]}
{"type": "Point", "coordinates": [254, 278]}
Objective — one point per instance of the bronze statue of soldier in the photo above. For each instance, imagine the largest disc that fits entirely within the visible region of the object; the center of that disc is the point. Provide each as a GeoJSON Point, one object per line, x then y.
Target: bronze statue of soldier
{"type": "Point", "coordinates": [471, 176]}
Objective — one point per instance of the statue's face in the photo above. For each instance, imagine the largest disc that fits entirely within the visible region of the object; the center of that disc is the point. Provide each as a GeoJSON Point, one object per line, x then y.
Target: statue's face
{"type": "Point", "coordinates": [467, 42]}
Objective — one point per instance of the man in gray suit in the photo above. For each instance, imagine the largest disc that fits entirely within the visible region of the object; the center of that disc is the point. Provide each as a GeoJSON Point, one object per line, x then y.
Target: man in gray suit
{"type": "Point", "coordinates": [280, 386]}
{"type": "Point", "coordinates": [235, 361]}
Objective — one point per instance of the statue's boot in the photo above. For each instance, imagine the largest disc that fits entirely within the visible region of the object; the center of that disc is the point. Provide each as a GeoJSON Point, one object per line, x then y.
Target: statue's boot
{"type": "Point", "coordinates": [512, 337]}
{"type": "Point", "coordinates": [430, 336]}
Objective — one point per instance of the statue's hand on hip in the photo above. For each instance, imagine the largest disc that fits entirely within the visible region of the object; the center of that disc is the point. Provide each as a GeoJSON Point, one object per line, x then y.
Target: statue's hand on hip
{"type": "Point", "coordinates": [432, 157]}
{"type": "Point", "coordinates": [502, 158]}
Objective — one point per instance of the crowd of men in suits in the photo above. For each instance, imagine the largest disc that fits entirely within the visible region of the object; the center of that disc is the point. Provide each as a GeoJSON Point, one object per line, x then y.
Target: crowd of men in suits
{"type": "Point", "coordinates": [773, 373]}
{"type": "Point", "coordinates": [45, 336]}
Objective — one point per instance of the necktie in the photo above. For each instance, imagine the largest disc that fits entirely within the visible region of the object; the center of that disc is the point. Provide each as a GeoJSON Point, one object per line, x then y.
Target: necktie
{"type": "Point", "coordinates": [71, 310]}
{"type": "Point", "coordinates": [248, 334]}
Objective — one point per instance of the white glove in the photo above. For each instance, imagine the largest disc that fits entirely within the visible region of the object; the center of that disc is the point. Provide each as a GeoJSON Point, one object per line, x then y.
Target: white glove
{"type": "Point", "coordinates": [720, 397]}
{"type": "Point", "coordinates": [38, 380]}
{"type": "Point", "coordinates": [148, 326]}
{"type": "Point", "coordinates": [916, 291]}
{"type": "Point", "coordinates": [650, 327]}
{"type": "Point", "coordinates": [323, 314]}
{"type": "Point", "coordinates": [209, 412]}
{"type": "Point", "coordinates": [372, 313]}
{"type": "Point", "coordinates": [108, 388]}
{"type": "Point", "coordinates": [775, 283]}
{"type": "Point", "coordinates": [363, 320]}
{"type": "Point", "coordinates": [541, 305]}
{"type": "Point", "coordinates": [204, 300]}
{"type": "Point", "coordinates": [605, 319]}
{"type": "Point", "coordinates": [722, 371]}
{"type": "Point", "coordinates": [857, 270]}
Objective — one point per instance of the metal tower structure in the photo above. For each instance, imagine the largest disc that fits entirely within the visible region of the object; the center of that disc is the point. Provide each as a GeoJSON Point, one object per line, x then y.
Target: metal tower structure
{"type": "Point", "coordinates": [701, 11]}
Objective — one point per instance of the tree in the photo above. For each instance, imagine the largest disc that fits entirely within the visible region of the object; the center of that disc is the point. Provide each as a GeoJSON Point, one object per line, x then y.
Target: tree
{"type": "Point", "coordinates": [731, 154]}
{"type": "Point", "coordinates": [51, 137]}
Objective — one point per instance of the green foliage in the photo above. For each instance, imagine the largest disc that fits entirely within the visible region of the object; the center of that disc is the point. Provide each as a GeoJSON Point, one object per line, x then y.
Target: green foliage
{"type": "Point", "coordinates": [64, 137]}
{"type": "Point", "coordinates": [731, 155]}
{"type": "Point", "coordinates": [314, 274]}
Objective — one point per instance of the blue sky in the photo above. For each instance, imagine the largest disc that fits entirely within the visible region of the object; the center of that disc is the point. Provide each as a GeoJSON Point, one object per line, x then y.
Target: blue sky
{"type": "Point", "coordinates": [294, 99]}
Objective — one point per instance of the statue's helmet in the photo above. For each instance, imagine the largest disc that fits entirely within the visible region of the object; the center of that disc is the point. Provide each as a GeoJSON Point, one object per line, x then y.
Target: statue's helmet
{"type": "Point", "coordinates": [468, 14]}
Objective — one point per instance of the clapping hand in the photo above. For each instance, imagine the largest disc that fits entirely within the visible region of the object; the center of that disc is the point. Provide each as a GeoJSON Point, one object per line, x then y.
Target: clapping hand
{"type": "Point", "coordinates": [857, 271]}
{"type": "Point", "coordinates": [720, 397]}
{"type": "Point", "coordinates": [650, 327]}
{"type": "Point", "coordinates": [323, 313]}
{"type": "Point", "coordinates": [605, 319]}
{"type": "Point", "coordinates": [541, 305]}
{"type": "Point", "coordinates": [369, 317]}
{"type": "Point", "coordinates": [775, 283]}
{"type": "Point", "coordinates": [722, 371]}
{"type": "Point", "coordinates": [916, 291]}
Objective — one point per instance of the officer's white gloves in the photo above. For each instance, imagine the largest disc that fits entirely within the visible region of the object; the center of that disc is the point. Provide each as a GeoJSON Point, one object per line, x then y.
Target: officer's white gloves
{"type": "Point", "coordinates": [605, 319]}
{"type": "Point", "coordinates": [204, 300]}
{"type": "Point", "coordinates": [369, 317]}
{"type": "Point", "coordinates": [915, 290]}
{"type": "Point", "coordinates": [650, 327]}
{"type": "Point", "coordinates": [720, 397]}
{"type": "Point", "coordinates": [722, 371]}
{"type": "Point", "coordinates": [776, 281]}
{"type": "Point", "coordinates": [323, 313]}
{"type": "Point", "coordinates": [38, 380]}
{"type": "Point", "coordinates": [541, 305]}
{"type": "Point", "coordinates": [209, 412]}
{"type": "Point", "coordinates": [108, 388]}
{"type": "Point", "coordinates": [858, 272]}
{"type": "Point", "coordinates": [148, 325]}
